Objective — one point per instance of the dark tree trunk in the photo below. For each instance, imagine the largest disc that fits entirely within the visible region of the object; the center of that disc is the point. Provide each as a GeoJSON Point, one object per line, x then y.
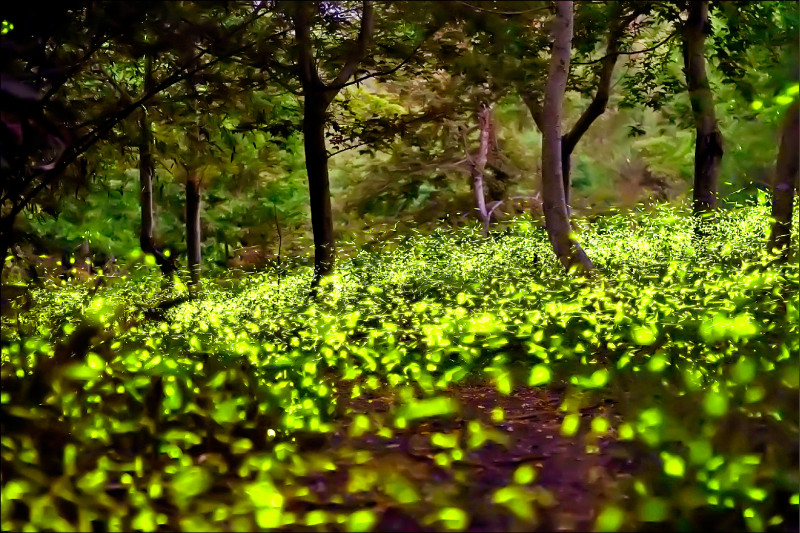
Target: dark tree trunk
{"type": "Point", "coordinates": [319, 189]}
{"type": "Point", "coordinates": [555, 208]}
{"type": "Point", "coordinates": [784, 185]}
{"type": "Point", "coordinates": [6, 235]}
{"type": "Point", "coordinates": [317, 97]}
{"type": "Point", "coordinates": [708, 145]}
{"type": "Point", "coordinates": [596, 108]}
{"type": "Point", "coordinates": [193, 228]}
{"type": "Point", "coordinates": [566, 167]}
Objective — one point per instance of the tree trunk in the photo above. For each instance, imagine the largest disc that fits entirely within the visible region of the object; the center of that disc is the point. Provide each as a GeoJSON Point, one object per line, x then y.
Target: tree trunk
{"type": "Point", "coordinates": [480, 200]}
{"type": "Point", "coordinates": [6, 236]}
{"type": "Point", "coordinates": [555, 208]}
{"type": "Point", "coordinates": [566, 167]}
{"type": "Point", "coordinates": [146, 173]}
{"type": "Point", "coordinates": [479, 167]}
{"type": "Point", "coordinates": [708, 145]}
{"type": "Point", "coordinates": [319, 189]}
{"type": "Point", "coordinates": [193, 228]}
{"type": "Point", "coordinates": [784, 184]}
{"type": "Point", "coordinates": [317, 97]}
{"type": "Point", "coordinates": [146, 184]}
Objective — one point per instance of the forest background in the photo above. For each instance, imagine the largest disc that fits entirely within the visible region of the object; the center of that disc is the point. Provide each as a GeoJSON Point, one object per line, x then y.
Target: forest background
{"type": "Point", "coordinates": [392, 266]}
{"type": "Point", "coordinates": [399, 144]}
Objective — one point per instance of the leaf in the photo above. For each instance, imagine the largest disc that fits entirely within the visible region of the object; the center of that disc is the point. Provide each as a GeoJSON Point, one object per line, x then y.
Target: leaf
{"type": "Point", "coordinates": [610, 519]}
{"type": "Point", "coordinates": [362, 520]}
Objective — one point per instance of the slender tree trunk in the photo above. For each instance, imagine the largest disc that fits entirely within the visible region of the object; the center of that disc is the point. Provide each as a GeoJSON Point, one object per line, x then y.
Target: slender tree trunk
{"type": "Point", "coordinates": [479, 167]}
{"type": "Point", "coordinates": [146, 187]}
{"type": "Point", "coordinates": [480, 200]}
{"type": "Point", "coordinates": [784, 185]}
{"type": "Point", "coordinates": [193, 228]}
{"type": "Point", "coordinates": [708, 145]}
{"type": "Point", "coordinates": [595, 109]}
{"type": "Point", "coordinates": [555, 208]}
{"type": "Point", "coordinates": [566, 167]}
{"type": "Point", "coordinates": [319, 189]}
{"type": "Point", "coordinates": [146, 173]}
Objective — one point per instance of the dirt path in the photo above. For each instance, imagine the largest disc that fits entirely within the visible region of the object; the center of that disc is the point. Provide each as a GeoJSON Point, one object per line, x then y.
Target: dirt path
{"type": "Point", "coordinates": [570, 484]}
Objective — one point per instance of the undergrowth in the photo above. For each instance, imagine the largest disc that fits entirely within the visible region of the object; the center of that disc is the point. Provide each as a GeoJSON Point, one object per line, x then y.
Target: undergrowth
{"type": "Point", "coordinates": [217, 413]}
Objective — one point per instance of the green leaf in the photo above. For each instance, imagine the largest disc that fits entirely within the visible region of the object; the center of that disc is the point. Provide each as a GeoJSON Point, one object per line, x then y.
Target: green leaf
{"type": "Point", "coordinates": [540, 375]}
{"type": "Point", "coordinates": [673, 465]}
{"type": "Point", "coordinates": [715, 403]}
{"type": "Point", "coordinates": [610, 519]}
{"type": "Point", "coordinates": [190, 482]}
{"type": "Point", "coordinates": [524, 475]}
{"type": "Point", "coordinates": [453, 519]}
{"type": "Point", "coordinates": [362, 520]}
{"type": "Point", "coordinates": [643, 335]}
{"type": "Point", "coordinates": [570, 425]}
{"type": "Point", "coordinates": [427, 408]}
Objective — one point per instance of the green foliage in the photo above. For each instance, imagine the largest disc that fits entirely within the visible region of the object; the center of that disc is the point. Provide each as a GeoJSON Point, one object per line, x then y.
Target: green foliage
{"type": "Point", "coordinates": [206, 419]}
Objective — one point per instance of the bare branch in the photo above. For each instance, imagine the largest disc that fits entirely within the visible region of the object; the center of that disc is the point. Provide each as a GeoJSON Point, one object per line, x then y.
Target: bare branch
{"type": "Point", "coordinates": [347, 149]}
{"type": "Point", "coordinates": [495, 205]}
{"type": "Point", "coordinates": [598, 104]}
{"type": "Point", "coordinates": [523, 12]}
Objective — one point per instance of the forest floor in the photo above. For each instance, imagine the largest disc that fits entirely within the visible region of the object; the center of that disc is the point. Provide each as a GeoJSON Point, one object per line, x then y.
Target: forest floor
{"type": "Point", "coordinates": [574, 476]}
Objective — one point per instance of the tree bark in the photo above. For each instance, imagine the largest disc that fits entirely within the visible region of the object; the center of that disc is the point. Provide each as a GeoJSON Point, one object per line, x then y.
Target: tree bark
{"type": "Point", "coordinates": [146, 173]}
{"type": "Point", "coordinates": [784, 185]}
{"type": "Point", "coordinates": [555, 208]}
{"type": "Point", "coordinates": [193, 228]}
{"type": "Point", "coordinates": [479, 167]}
{"type": "Point", "coordinates": [708, 145]}
{"type": "Point", "coordinates": [317, 97]}
{"type": "Point", "coordinates": [319, 185]}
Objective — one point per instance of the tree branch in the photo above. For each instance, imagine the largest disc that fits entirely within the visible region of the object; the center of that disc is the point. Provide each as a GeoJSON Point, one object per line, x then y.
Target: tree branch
{"type": "Point", "coordinates": [598, 104]}
{"type": "Point", "coordinates": [120, 89]}
{"type": "Point", "coordinates": [535, 108]}
{"type": "Point", "coordinates": [385, 72]}
{"type": "Point", "coordinates": [85, 142]}
{"type": "Point", "coordinates": [93, 47]}
{"type": "Point", "coordinates": [632, 52]}
{"type": "Point", "coordinates": [347, 148]}
{"type": "Point", "coordinates": [478, 8]}
{"type": "Point", "coordinates": [364, 36]}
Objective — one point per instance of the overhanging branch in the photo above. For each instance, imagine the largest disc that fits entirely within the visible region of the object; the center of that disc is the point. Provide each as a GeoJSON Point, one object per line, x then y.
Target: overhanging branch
{"type": "Point", "coordinates": [632, 52]}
